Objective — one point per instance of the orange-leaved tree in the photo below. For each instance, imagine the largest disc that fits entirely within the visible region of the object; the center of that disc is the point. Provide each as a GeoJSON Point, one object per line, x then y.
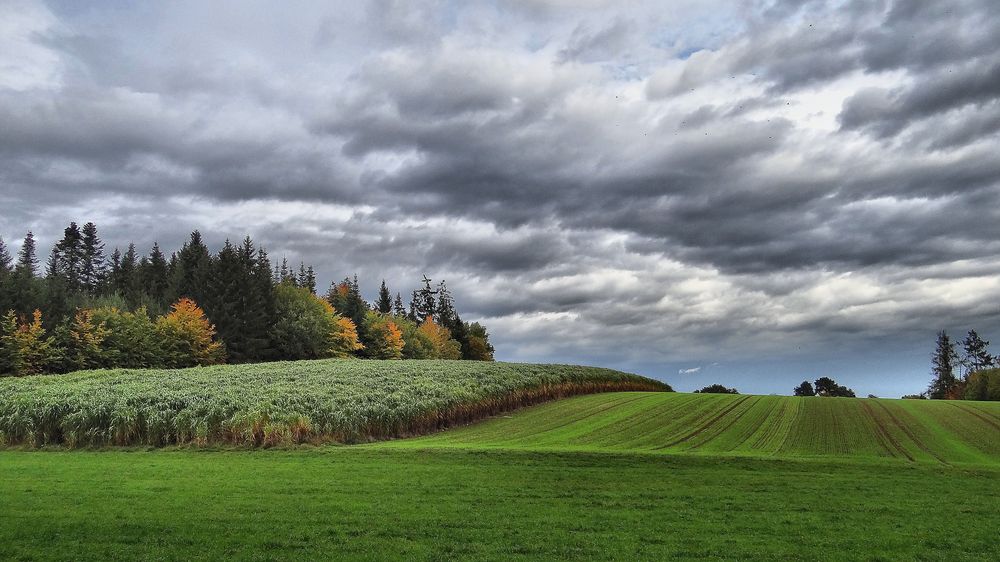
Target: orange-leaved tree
{"type": "Point", "coordinates": [344, 338]}
{"type": "Point", "coordinates": [188, 336]}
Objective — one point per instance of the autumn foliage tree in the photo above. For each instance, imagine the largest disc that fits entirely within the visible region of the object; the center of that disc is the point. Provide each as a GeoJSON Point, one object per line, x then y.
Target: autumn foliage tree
{"type": "Point", "coordinates": [384, 338]}
{"type": "Point", "coordinates": [440, 337]}
{"type": "Point", "coordinates": [33, 350]}
{"type": "Point", "coordinates": [187, 337]}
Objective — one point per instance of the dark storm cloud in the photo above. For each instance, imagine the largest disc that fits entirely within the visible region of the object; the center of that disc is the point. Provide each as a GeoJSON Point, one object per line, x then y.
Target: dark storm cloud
{"type": "Point", "coordinates": [704, 174]}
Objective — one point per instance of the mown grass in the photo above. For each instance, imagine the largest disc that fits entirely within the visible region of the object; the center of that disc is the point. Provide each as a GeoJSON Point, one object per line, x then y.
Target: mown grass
{"type": "Point", "coordinates": [767, 426]}
{"type": "Point", "coordinates": [278, 403]}
{"type": "Point", "coordinates": [378, 503]}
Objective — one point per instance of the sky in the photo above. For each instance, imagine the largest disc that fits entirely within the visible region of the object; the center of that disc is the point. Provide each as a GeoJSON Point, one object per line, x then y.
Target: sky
{"type": "Point", "coordinates": [748, 193]}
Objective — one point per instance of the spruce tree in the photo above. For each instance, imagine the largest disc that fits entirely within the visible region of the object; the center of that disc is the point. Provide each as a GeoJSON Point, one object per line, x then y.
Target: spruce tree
{"type": "Point", "coordinates": [397, 306]}
{"type": "Point", "coordinates": [27, 261]}
{"type": "Point", "coordinates": [943, 367]}
{"type": "Point", "coordinates": [155, 279]}
{"type": "Point", "coordinates": [384, 303]}
{"type": "Point", "coordinates": [976, 357]}
{"type": "Point", "coordinates": [94, 266]}
{"type": "Point", "coordinates": [68, 255]}
{"type": "Point", "coordinates": [190, 276]}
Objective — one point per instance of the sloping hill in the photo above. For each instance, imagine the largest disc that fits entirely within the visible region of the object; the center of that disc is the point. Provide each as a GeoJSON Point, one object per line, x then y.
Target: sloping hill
{"type": "Point", "coordinates": [777, 426]}
{"type": "Point", "coordinates": [287, 402]}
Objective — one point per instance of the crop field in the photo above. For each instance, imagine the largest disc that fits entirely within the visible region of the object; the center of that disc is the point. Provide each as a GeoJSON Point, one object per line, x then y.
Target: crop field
{"type": "Point", "coordinates": [723, 424]}
{"type": "Point", "coordinates": [341, 401]}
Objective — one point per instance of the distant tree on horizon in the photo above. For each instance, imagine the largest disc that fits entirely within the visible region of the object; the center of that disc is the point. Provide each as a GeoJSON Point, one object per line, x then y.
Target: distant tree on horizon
{"type": "Point", "coordinates": [717, 389]}
{"type": "Point", "coordinates": [804, 389]}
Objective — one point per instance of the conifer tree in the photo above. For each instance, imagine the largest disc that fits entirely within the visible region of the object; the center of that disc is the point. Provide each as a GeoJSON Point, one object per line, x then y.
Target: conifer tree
{"type": "Point", "coordinates": [155, 281]}
{"type": "Point", "coordinates": [384, 303]}
{"type": "Point", "coordinates": [27, 261]}
{"type": "Point", "coordinates": [943, 367]}
{"type": "Point", "coordinates": [93, 266]}
{"type": "Point", "coordinates": [423, 303]}
{"type": "Point", "coordinates": [976, 357]}
{"type": "Point", "coordinates": [190, 275]}
{"type": "Point", "coordinates": [397, 306]}
{"type": "Point", "coordinates": [68, 257]}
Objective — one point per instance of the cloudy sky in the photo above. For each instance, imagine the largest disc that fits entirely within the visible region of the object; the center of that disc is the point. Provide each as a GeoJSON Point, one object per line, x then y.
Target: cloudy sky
{"type": "Point", "coordinates": [750, 193]}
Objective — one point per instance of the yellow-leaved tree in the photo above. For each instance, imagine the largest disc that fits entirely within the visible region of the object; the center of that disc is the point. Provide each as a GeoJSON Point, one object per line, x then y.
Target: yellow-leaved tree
{"type": "Point", "coordinates": [444, 346]}
{"type": "Point", "coordinates": [188, 337]}
{"type": "Point", "coordinates": [344, 339]}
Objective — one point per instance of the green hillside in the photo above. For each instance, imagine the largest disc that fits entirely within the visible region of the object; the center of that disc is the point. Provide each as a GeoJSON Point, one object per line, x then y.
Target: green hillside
{"type": "Point", "coordinates": [719, 424]}
{"type": "Point", "coordinates": [265, 404]}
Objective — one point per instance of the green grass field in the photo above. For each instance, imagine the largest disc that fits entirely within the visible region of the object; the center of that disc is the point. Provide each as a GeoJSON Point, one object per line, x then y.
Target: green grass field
{"type": "Point", "coordinates": [613, 476]}
{"type": "Point", "coordinates": [949, 432]}
{"type": "Point", "coordinates": [378, 503]}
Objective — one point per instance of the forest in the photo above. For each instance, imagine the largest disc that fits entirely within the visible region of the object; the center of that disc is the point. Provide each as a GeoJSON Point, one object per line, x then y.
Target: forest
{"type": "Point", "coordinates": [87, 310]}
{"type": "Point", "coordinates": [973, 375]}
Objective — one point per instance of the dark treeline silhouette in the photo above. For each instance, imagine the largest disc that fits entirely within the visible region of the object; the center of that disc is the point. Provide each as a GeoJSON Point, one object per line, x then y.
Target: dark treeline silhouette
{"type": "Point", "coordinates": [86, 309]}
{"type": "Point", "coordinates": [823, 386]}
{"type": "Point", "coordinates": [973, 375]}
{"type": "Point", "coordinates": [717, 389]}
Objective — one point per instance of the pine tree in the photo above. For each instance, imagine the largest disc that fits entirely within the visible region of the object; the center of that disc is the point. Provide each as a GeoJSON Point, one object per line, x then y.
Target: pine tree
{"type": "Point", "coordinates": [976, 356]}
{"type": "Point", "coordinates": [384, 303]}
{"type": "Point", "coordinates": [943, 368]}
{"type": "Point", "coordinates": [93, 267]}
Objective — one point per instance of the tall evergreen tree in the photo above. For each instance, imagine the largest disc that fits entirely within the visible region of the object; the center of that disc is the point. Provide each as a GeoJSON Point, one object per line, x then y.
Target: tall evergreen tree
{"type": "Point", "coordinates": [190, 275]}
{"type": "Point", "coordinates": [27, 261]}
{"type": "Point", "coordinates": [423, 303]}
{"type": "Point", "coordinates": [943, 367]}
{"type": "Point", "coordinates": [126, 281]}
{"type": "Point", "coordinates": [241, 302]}
{"type": "Point", "coordinates": [384, 303]}
{"type": "Point", "coordinates": [976, 356]}
{"type": "Point", "coordinates": [397, 306]}
{"type": "Point", "coordinates": [155, 280]}
{"type": "Point", "coordinates": [306, 278]}
{"type": "Point", "coordinates": [68, 257]}
{"type": "Point", "coordinates": [94, 267]}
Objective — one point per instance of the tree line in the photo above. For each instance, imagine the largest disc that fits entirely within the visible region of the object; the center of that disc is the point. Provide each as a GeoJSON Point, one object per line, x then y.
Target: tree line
{"type": "Point", "coordinates": [973, 375]}
{"type": "Point", "coordinates": [89, 310]}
